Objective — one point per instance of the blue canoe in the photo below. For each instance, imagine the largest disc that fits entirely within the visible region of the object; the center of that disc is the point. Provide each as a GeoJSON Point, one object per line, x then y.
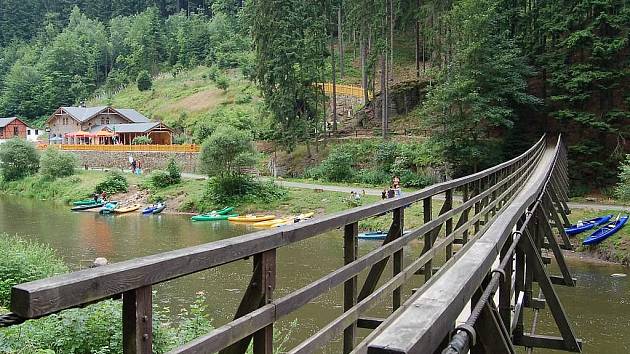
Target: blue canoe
{"type": "Point", "coordinates": [375, 235]}
{"type": "Point", "coordinates": [154, 209]}
{"type": "Point", "coordinates": [605, 232]}
{"type": "Point", "coordinates": [587, 225]}
{"type": "Point", "coordinates": [109, 208]}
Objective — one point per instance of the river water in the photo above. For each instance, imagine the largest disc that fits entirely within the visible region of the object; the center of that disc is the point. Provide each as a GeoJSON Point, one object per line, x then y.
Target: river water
{"type": "Point", "coordinates": [599, 307]}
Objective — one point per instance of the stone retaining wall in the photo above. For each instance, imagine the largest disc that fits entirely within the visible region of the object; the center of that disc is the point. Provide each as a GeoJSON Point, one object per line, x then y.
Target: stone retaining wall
{"type": "Point", "coordinates": [149, 160]}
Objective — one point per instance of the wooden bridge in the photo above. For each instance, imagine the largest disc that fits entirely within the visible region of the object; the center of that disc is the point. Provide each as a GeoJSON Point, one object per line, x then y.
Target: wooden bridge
{"type": "Point", "coordinates": [483, 259]}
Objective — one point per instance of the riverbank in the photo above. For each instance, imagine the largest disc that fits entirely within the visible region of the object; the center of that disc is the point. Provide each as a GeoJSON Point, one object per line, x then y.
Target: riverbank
{"type": "Point", "coordinates": [615, 249]}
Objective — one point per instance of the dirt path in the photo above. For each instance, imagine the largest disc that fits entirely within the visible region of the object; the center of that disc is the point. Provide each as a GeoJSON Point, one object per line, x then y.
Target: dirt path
{"type": "Point", "coordinates": [373, 191]}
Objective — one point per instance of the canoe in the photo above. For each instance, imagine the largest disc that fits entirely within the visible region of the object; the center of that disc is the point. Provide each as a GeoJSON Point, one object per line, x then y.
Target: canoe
{"type": "Point", "coordinates": [293, 220]}
{"type": "Point", "coordinates": [273, 222]}
{"type": "Point", "coordinates": [375, 235]}
{"type": "Point", "coordinates": [605, 232]}
{"type": "Point", "coordinates": [215, 217]}
{"type": "Point", "coordinates": [127, 209]}
{"type": "Point", "coordinates": [86, 202]}
{"type": "Point", "coordinates": [223, 211]}
{"type": "Point", "coordinates": [587, 225]}
{"type": "Point", "coordinates": [251, 218]}
{"type": "Point", "coordinates": [154, 209]}
{"type": "Point", "coordinates": [109, 208]}
{"type": "Point", "coordinates": [87, 206]}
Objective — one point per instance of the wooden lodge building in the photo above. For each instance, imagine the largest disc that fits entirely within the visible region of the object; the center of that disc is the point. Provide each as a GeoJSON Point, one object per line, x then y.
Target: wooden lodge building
{"type": "Point", "coordinates": [104, 125]}
{"type": "Point", "coordinates": [12, 127]}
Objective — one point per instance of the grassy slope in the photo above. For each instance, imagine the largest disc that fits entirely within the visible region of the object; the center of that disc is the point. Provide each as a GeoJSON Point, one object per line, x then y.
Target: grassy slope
{"type": "Point", "coordinates": [182, 99]}
{"type": "Point", "coordinates": [616, 248]}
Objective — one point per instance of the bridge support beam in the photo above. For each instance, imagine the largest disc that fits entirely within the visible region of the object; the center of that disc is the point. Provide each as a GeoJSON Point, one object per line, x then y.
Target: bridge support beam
{"type": "Point", "coordinates": [350, 251]}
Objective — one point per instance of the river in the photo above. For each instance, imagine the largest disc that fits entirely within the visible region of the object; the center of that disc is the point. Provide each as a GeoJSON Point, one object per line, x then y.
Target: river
{"type": "Point", "coordinates": [599, 307]}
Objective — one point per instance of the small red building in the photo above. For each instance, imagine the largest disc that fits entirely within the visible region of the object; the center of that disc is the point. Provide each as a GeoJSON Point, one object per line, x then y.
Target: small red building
{"type": "Point", "coordinates": [12, 127]}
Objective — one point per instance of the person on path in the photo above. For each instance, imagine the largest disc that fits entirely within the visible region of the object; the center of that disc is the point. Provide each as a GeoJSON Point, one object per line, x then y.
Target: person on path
{"type": "Point", "coordinates": [396, 187]}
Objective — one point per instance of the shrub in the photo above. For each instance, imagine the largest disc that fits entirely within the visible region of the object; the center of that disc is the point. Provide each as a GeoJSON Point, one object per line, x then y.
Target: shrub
{"type": "Point", "coordinates": [141, 140]}
{"type": "Point", "coordinates": [144, 81]}
{"type": "Point", "coordinates": [233, 190]}
{"type": "Point", "coordinates": [213, 73]}
{"type": "Point", "coordinates": [222, 82]}
{"type": "Point", "coordinates": [23, 261]}
{"type": "Point", "coordinates": [337, 167]}
{"type": "Point", "coordinates": [386, 154]}
{"type": "Point", "coordinates": [113, 183]}
{"type": "Point", "coordinates": [227, 151]}
{"type": "Point", "coordinates": [622, 191]}
{"type": "Point", "coordinates": [19, 159]}
{"type": "Point", "coordinates": [57, 164]}
{"type": "Point", "coordinates": [373, 177]}
{"type": "Point", "coordinates": [243, 98]}
{"type": "Point", "coordinates": [414, 180]}
{"type": "Point", "coordinates": [174, 171]}
{"type": "Point", "coordinates": [159, 179]}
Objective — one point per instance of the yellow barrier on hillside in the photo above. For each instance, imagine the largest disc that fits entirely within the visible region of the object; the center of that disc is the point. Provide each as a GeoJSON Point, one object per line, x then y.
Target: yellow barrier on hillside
{"type": "Point", "coordinates": [127, 148]}
{"type": "Point", "coordinates": [344, 90]}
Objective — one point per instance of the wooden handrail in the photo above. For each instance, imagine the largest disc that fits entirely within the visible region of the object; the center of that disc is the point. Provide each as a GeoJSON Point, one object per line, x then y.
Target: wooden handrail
{"type": "Point", "coordinates": [135, 277]}
{"type": "Point", "coordinates": [124, 148]}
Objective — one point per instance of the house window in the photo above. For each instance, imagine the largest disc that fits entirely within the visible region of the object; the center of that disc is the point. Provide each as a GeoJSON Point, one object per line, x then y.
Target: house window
{"type": "Point", "coordinates": [2, 131]}
{"type": "Point", "coordinates": [107, 120]}
{"type": "Point", "coordinates": [16, 131]}
{"type": "Point", "coordinates": [28, 132]}
{"type": "Point", "coordinates": [36, 131]}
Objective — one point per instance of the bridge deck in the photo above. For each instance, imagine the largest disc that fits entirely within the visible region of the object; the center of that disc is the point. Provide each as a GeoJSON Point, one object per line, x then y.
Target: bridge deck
{"type": "Point", "coordinates": [426, 318]}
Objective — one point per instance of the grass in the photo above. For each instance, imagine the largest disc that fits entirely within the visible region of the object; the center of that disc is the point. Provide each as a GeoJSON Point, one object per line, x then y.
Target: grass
{"type": "Point", "coordinates": [616, 248]}
{"type": "Point", "coordinates": [186, 97]}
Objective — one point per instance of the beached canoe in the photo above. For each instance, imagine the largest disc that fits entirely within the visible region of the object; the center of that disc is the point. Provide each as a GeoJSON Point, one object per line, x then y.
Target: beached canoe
{"type": "Point", "coordinates": [212, 217]}
{"type": "Point", "coordinates": [154, 209]}
{"type": "Point", "coordinates": [292, 220]}
{"type": "Point", "coordinates": [375, 235]}
{"type": "Point", "coordinates": [251, 218]}
{"type": "Point", "coordinates": [605, 232]}
{"type": "Point", "coordinates": [86, 202]}
{"type": "Point", "coordinates": [109, 208]}
{"type": "Point", "coordinates": [87, 207]}
{"type": "Point", "coordinates": [273, 222]}
{"type": "Point", "coordinates": [127, 208]}
{"type": "Point", "coordinates": [587, 225]}
{"type": "Point", "coordinates": [224, 211]}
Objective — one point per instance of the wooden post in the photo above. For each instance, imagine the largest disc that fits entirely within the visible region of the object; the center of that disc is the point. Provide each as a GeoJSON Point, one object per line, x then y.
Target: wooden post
{"type": "Point", "coordinates": [350, 251]}
{"type": "Point", "coordinates": [399, 219]}
{"type": "Point", "coordinates": [449, 223]}
{"type": "Point", "coordinates": [428, 242]}
{"type": "Point", "coordinates": [263, 339]}
{"type": "Point", "coordinates": [137, 321]}
{"type": "Point", "coordinates": [464, 216]}
{"type": "Point", "coordinates": [477, 205]}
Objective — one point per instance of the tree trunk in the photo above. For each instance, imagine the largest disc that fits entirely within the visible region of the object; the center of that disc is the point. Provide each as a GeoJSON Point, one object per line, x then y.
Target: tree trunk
{"type": "Point", "coordinates": [418, 43]}
{"type": "Point", "coordinates": [334, 84]}
{"type": "Point", "coordinates": [340, 37]}
{"type": "Point", "coordinates": [391, 41]}
{"type": "Point", "coordinates": [364, 79]}
{"type": "Point", "coordinates": [384, 93]}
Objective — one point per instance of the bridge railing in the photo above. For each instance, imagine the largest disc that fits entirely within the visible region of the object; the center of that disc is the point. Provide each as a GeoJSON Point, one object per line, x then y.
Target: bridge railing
{"type": "Point", "coordinates": [484, 194]}
{"type": "Point", "coordinates": [505, 264]}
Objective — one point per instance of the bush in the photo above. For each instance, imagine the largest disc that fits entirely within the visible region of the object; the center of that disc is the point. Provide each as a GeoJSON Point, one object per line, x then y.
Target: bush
{"type": "Point", "coordinates": [23, 261]}
{"type": "Point", "coordinates": [622, 191]}
{"type": "Point", "coordinates": [214, 73]}
{"type": "Point", "coordinates": [373, 177]}
{"type": "Point", "coordinates": [233, 190]}
{"type": "Point", "coordinates": [93, 329]}
{"type": "Point", "coordinates": [113, 183]}
{"type": "Point", "coordinates": [222, 82]}
{"type": "Point", "coordinates": [174, 172]}
{"type": "Point", "coordinates": [243, 98]}
{"type": "Point", "coordinates": [227, 151]}
{"type": "Point", "coordinates": [141, 140]}
{"type": "Point", "coordinates": [159, 179]}
{"type": "Point", "coordinates": [19, 159]}
{"type": "Point", "coordinates": [414, 180]}
{"type": "Point", "coordinates": [337, 167]}
{"type": "Point", "coordinates": [57, 164]}
{"type": "Point", "coordinates": [144, 81]}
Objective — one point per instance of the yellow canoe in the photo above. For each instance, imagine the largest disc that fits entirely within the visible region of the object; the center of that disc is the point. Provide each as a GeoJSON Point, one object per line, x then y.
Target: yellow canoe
{"type": "Point", "coordinates": [272, 222]}
{"type": "Point", "coordinates": [252, 218]}
{"type": "Point", "coordinates": [290, 220]}
{"type": "Point", "coordinates": [127, 209]}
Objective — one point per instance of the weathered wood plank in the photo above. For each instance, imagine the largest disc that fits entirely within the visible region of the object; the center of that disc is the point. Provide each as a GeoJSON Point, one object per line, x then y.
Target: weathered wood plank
{"type": "Point", "coordinates": [137, 319]}
{"type": "Point", "coordinates": [350, 251]}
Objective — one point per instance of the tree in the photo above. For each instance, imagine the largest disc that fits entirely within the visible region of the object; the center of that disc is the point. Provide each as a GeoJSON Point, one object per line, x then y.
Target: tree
{"type": "Point", "coordinates": [289, 37]}
{"type": "Point", "coordinates": [222, 82]}
{"type": "Point", "coordinates": [144, 81]}
{"type": "Point", "coordinates": [19, 159]}
{"type": "Point", "coordinates": [57, 164]}
{"type": "Point", "coordinates": [622, 191]}
{"type": "Point", "coordinates": [174, 171]}
{"type": "Point", "coordinates": [226, 152]}
{"type": "Point", "coordinates": [479, 90]}
{"type": "Point", "coordinates": [141, 140]}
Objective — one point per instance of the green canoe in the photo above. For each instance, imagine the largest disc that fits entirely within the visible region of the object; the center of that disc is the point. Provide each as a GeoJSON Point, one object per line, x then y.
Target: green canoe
{"type": "Point", "coordinates": [86, 202]}
{"type": "Point", "coordinates": [223, 211]}
{"type": "Point", "coordinates": [212, 217]}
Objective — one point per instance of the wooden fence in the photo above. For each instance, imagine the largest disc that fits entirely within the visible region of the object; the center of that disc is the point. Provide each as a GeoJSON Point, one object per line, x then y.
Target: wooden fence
{"type": "Point", "coordinates": [345, 90]}
{"type": "Point", "coordinates": [124, 148]}
{"type": "Point", "coordinates": [485, 194]}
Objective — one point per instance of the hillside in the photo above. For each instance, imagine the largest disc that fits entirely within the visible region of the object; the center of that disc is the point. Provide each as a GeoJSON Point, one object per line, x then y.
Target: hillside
{"type": "Point", "coordinates": [182, 101]}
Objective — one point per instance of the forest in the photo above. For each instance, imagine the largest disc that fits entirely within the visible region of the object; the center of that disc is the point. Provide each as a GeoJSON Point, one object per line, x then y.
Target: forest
{"type": "Point", "coordinates": [499, 72]}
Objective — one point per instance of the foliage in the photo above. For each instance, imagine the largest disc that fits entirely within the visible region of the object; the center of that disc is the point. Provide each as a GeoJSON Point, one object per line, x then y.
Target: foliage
{"type": "Point", "coordinates": [226, 152]}
{"type": "Point", "coordinates": [222, 82]}
{"type": "Point", "coordinates": [289, 39]}
{"type": "Point", "coordinates": [623, 187]}
{"type": "Point", "coordinates": [57, 164]}
{"type": "Point", "coordinates": [143, 81]}
{"type": "Point", "coordinates": [479, 90]}
{"type": "Point", "coordinates": [238, 189]}
{"type": "Point", "coordinates": [142, 140]}
{"type": "Point", "coordinates": [19, 159]}
{"type": "Point", "coordinates": [337, 167]}
{"type": "Point", "coordinates": [113, 183]}
{"type": "Point", "coordinates": [22, 261]}
{"type": "Point", "coordinates": [174, 172]}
